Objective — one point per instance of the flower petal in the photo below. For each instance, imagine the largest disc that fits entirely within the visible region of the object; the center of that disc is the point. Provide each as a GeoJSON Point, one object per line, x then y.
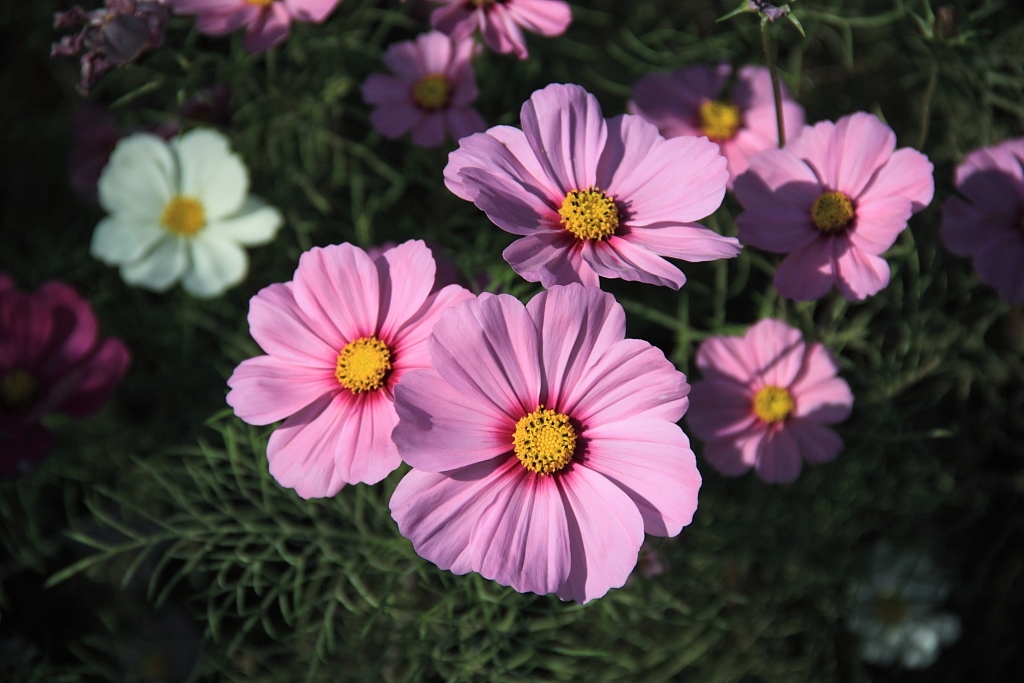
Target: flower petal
{"type": "Point", "coordinates": [301, 451]}
{"type": "Point", "coordinates": [140, 178]}
{"type": "Point", "coordinates": [218, 263]}
{"type": "Point", "coordinates": [281, 329]}
{"type": "Point", "coordinates": [338, 289]}
{"type": "Point", "coordinates": [254, 224]}
{"type": "Point", "coordinates": [777, 351]}
{"type": "Point", "coordinates": [266, 389]}
{"type": "Point", "coordinates": [121, 238]}
{"type": "Point", "coordinates": [550, 258]}
{"type": "Point", "coordinates": [778, 457]}
{"type": "Point", "coordinates": [616, 257]}
{"type": "Point", "coordinates": [720, 407]}
{"type": "Point", "coordinates": [807, 273]}
{"type": "Point", "coordinates": [212, 173]}
{"type": "Point", "coordinates": [858, 273]}
{"type": "Point", "coordinates": [817, 443]}
{"type": "Point", "coordinates": [160, 268]}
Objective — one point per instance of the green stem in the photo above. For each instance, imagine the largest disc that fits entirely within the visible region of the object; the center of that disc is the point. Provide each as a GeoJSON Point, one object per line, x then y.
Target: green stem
{"type": "Point", "coordinates": [769, 57]}
{"type": "Point", "coordinates": [926, 104]}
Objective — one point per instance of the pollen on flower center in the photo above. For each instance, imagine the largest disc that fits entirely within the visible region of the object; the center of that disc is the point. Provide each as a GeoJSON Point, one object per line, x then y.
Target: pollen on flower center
{"type": "Point", "coordinates": [363, 364]}
{"type": "Point", "coordinates": [545, 441]}
{"type": "Point", "coordinates": [773, 404]}
{"type": "Point", "coordinates": [260, 3]}
{"type": "Point", "coordinates": [719, 120]}
{"type": "Point", "coordinates": [889, 609]}
{"type": "Point", "coordinates": [832, 212]}
{"type": "Point", "coordinates": [183, 216]}
{"type": "Point", "coordinates": [433, 91]}
{"type": "Point", "coordinates": [17, 389]}
{"type": "Point", "coordinates": [589, 214]}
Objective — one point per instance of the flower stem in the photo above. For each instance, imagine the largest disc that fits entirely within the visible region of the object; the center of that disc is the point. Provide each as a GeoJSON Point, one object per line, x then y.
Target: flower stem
{"type": "Point", "coordinates": [769, 57]}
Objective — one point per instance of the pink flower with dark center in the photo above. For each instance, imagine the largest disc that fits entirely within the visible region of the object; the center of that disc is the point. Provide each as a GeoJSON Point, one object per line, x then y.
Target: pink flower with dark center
{"type": "Point", "coordinates": [696, 101]}
{"type": "Point", "coordinates": [764, 402]}
{"type": "Point", "coordinates": [338, 338]}
{"type": "Point", "coordinates": [987, 223]}
{"type": "Point", "coordinates": [593, 197]}
{"type": "Point", "coordinates": [834, 200]}
{"type": "Point", "coordinates": [267, 22]}
{"type": "Point", "coordinates": [429, 93]}
{"type": "Point", "coordinates": [501, 22]}
{"type": "Point", "coordinates": [51, 359]}
{"type": "Point", "coordinates": [543, 444]}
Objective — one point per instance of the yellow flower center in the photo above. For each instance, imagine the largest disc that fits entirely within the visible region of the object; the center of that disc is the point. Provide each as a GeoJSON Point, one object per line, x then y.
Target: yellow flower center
{"type": "Point", "coordinates": [433, 91]}
{"type": "Point", "coordinates": [183, 216]}
{"type": "Point", "coordinates": [589, 214]}
{"type": "Point", "coordinates": [832, 212]}
{"type": "Point", "coordinates": [890, 609]}
{"type": "Point", "coordinates": [363, 364]}
{"type": "Point", "coordinates": [773, 404]}
{"type": "Point", "coordinates": [545, 441]}
{"type": "Point", "coordinates": [260, 3]}
{"type": "Point", "coordinates": [719, 120]}
{"type": "Point", "coordinates": [17, 389]}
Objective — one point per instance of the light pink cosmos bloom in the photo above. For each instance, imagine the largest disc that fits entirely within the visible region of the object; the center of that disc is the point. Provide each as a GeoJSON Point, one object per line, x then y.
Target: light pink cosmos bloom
{"type": "Point", "coordinates": [543, 444]}
{"type": "Point", "coordinates": [764, 402]}
{"type": "Point", "coordinates": [834, 199]}
{"type": "Point", "coordinates": [429, 93]}
{"type": "Point", "coordinates": [987, 225]}
{"type": "Point", "coordinates": [694, 101]}
{"type": "Point", "coordinates": [267, 22]}
{"type": "Point", "coordinates": [593, 196]}
{"type": "Point", "coordinates": [51, 359]}
{"type": "Point", "coordinates": [338, 338]}
{"type": "Point", "coordinates": [501, 22]}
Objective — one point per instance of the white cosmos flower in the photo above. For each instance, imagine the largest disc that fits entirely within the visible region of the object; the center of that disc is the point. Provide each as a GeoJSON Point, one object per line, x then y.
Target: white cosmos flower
{"type": "Point", "coordinates": [180, 210]}
{"type": "Point", "coordinates": [895, 612]}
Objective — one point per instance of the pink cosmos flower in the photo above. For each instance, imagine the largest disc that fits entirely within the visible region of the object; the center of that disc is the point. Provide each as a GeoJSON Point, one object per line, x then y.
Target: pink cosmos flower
{"type": "Point", "coordinates": [268, 22]}
{"type": "Point", "coordinates": [51, 359]}
{"type": "Point", "coordinates": [501, 22]}
{"type": "Point", "coordinates": [593, 196]}
{"type": "Point", "coordinates": [543, 444]}
{"type": "Point", "coordinates": [764, 402]}
{"type": "Point", "coordinates": [987, 224]}
{"type": "Point", "coordinates": [834, 199]}
{"type": "Point", "coordinates": [338, 338]}
{"type": "Point", "coordinates": [429, 93]}
{"type": "Point", "coordinates": [693, 101]}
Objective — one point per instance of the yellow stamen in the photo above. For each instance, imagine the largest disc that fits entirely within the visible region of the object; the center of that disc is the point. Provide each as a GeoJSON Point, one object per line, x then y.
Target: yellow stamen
{"type": "Point", "coordinates": [832, 212]}
{"type": "Point", "coordinates": [433, 91]}
{"type": "Point", "coordinates": [589, 214]}
{"type": "Point", "coordinates": [890, 609]}
{"type": "Point", "coordinates": [17, 389]}
{"type": "Point", "coordinates": [545, 441]}
{"type": "Point", "coordinates": [183, 216]}
{"type": "Point", "coordinates": [363, 365]}
{"type": "Point", "coordinates": [773, 404]}
{"type": "Point", "coordinates": [719, 120]}
{"type": "Point", "coordinates": [260, 3]}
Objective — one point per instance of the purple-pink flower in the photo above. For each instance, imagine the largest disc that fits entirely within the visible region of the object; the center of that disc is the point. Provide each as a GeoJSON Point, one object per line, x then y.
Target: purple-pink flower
{"type": "Point", "coordinates": [430, 92]}
{"type": "Point", "coordinates": [696, 101]}
{"type": "Point", "coordinates": [338, 338]}
{"type": "Point", "coordinates": [267, 22]}
{"type": "Point", "coordinates": [593, 197]}
{"type": "Point", "coordinates": [51, 359]}
{"type": "Point", "coordinates": [543, 444]}
{"type": "Point", "coordinates": [501, 22]}
{"type": "Point", "coordinates": [765, 401]}
{"type": "Point", "coordinates": [833, 200]}
{"type": "Point", "coordinates": [987, 223]}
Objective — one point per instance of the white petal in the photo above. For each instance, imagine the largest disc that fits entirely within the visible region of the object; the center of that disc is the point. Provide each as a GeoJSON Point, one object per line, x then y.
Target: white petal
{"type": "Point", "coordinates": [122, 239]}
{"type": "Point", "coordinates": [212, 173]}
{"type": "Point", "coordinates": [217, 264]}
{"type": "Point", "coordinates": [159, 269]}
{"type": "Point", "coordinates": [140, 177]}
{"type": "Point", "coordinates": [257, 223]}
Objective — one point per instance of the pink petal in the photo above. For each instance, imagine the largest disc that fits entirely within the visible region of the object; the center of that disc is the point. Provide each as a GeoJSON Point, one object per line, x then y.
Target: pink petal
{"type": "Point", "coordinates": [266, 389]}
{"type": "Point", "coordinates": [807, 273]}
{"type": "Point", "coordinates": [605, 533]}
{"type": "Point", "coordinates": [690, 242]}
{"type": "Point", "coordinates": [429, 130]}
{"type": "Point", "coordinates": [406, 276]}
{"type": "Point", "coordinates": [546, 17]}
{"type": "Point", "coordinates": [97, 379]}
{"type": "Point", "coordinates": [270, 28]}
{"type": "Point", "coordinates": [435, 52]}
{"type": "Point", "coordinates": [501, 33]}
{"type": "Point", "coordinates": [861, 144]}
{"type": "Point", "coordinates": [778, 178]}
{"type": "Point", "coordinates": [383, 89]}
{"type": "Point", "coordinates": [778, 458]}
{"type": "Point", "coordinates": [337, 288]}
{"type": "Point", "coordinates": [522, 539]}
{"type": "Point", "coordinates": [879, 224]}
{"type": "Point", "coordinates": [314, 11]}
{"type": "Point", "coordinates": [619, 258]}
{"type": "Point", "coordinates": [907, 174]}
{"type": "Point", "coordinates": [27, 327]}
{"type": "Point", "coordinates": [456, 19]}
{"type": "Point", "coordinates": [282, 330]}
{"type": "Point", "coordinates": [550, 258]}
{"type": "Point", "coordinates": [726, 357]}
{"type": "Point", "coordinates": [404, 58]}
{"type": "Point", "coordinates": [779, 228]}
{"type": "Point", "coordinates": [813, 146]}
{"type": "Point", "coordinates": [858, 273]}
{"type": "Point", "coordinates": [817, 444]}
{"type": "Point", "coordinates": [825, 402]}
{"type": "Point", "coordinates": [651, 461]}
{"type": "Point", "coordinates": [966, 227]}
{"type": "Point", "coordinates": [301, 451]}
{"type": "Point", "coordinates": [671, 101]}
{"type": "Point", "coordinates": [463, 121]}
{"type": "Point", "coordinates": [364, 451]}
{"type": "Point", "coordinates": [999, 264]}
{"type": "Point", "coordinates": [720, 408]}
{"type": "Point", "coordinates": [74, 333]}
{"type": "Point", "coordinates": [395, 120]}
{"type": "Point", "coordinates": [777, 351]}
{"type": "Point", "coordinates": [736, 455]}
{"type": "Point", "coordinates": [409, 341]}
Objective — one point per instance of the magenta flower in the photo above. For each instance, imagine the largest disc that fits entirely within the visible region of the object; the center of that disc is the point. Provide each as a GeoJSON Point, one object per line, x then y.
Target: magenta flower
{"type": "Point", "coordinates": [501, 22]}
{"type": "Point", "coordinates": [764, 402]}
{"type": "Point", "coordinates": [338, 338]}
{"type": "Point", "coordinates": [834, 199]}
{"type": "Point", "coordinates": [51, 359]}
{"type": "Point", "coordinates": [987, 224]}
{"type": "Point", "coordinates": [543, 444]}
{"type": "Point", "coordinates": [267, 22]}
{"type": "Point", "coordinates": [593, 196]}
{"type": "Point", "coordinates": [693, 101]}
{"type": "Point", "coordinates": [429, 93]}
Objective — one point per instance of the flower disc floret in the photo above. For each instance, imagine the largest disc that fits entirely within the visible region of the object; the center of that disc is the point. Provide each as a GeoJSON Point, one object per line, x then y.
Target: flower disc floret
{"type": "Point", "coordinates": [832, 212]}
{"type": "Point", "coordinates": [183, 216]}
{"type": "Point", "coordinates": [17, 389]}
{"type": "Point", "coordinates": [589, 214]}
{"type": "Point", "coordinates": [260, 3]}
{"type": "Point", "coordinates": [719, 120]}
{"type": "Point", "coordinates": [363, 365]}
{"type": "Point", "coordinates": [773, 404]}
{"type": "Point", "coordinates": [432, 92]}
{"type": "Point", "coordinates": [545, 441]}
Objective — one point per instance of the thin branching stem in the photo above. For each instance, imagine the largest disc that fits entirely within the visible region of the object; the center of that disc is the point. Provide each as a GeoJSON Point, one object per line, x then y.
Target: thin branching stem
{"type": "Point", "coordinates": [769, 58]}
